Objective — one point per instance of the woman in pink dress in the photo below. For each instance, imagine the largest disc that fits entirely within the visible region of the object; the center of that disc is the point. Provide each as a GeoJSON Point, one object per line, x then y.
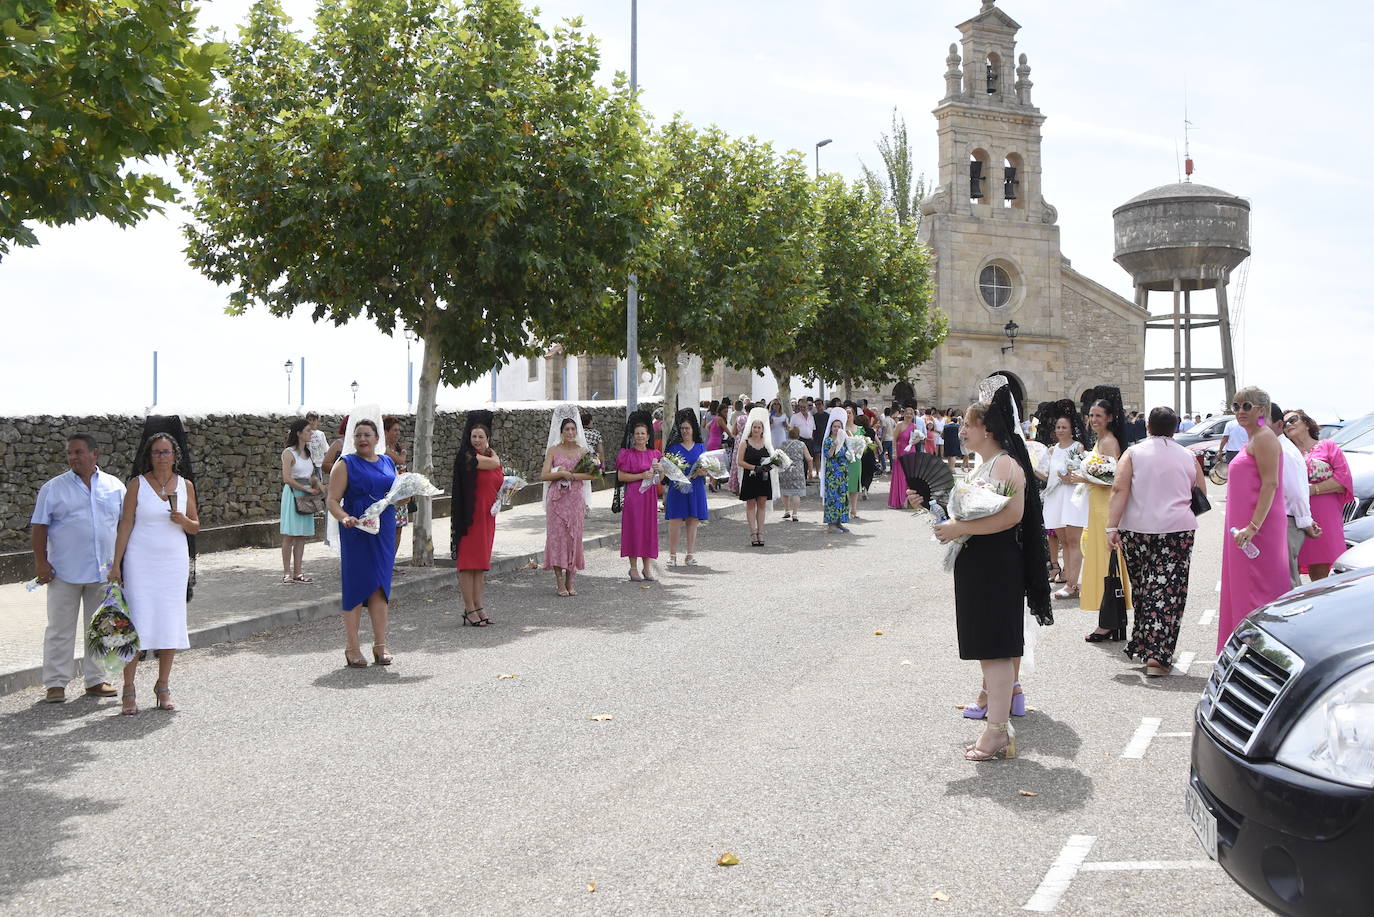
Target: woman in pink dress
{"type": "Point", "coordinates": [896, 494]}
{"type": "Point", "coordinates": [639, 505]}
{"type": "Point", "coordinates": [1257, 517]}
{"type": "Point", "coordinates": [929, 423]}
{"type": "Point", "coordinates": [1328, 477]}
{"type": "Point", "coordinates": [565, 498]}
{"type": "Point", "coordinates": [715, 437]}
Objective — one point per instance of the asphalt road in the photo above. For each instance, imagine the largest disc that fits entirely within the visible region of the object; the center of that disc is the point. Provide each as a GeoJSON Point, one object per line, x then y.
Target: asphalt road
{"type": "Point", "coordinates": [753, 708]}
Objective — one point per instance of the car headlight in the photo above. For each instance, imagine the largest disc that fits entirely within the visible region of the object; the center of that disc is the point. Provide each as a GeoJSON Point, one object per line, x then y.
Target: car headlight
{"type": "Point", "coordinates": [1334, 738]}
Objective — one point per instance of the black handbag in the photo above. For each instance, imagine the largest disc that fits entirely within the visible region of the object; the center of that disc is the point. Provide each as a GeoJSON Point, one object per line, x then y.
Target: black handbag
{"type": "Point", "coordinates": [1111, 614]}
{"type": "Point", "coordinates": [1199, 503]}
{"type": "Point", "coordinates": [615, 500]}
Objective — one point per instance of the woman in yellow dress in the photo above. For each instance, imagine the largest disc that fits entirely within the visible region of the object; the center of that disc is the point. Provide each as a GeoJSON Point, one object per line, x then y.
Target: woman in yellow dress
{"type": "Point", "coordinates": [1107, 421]}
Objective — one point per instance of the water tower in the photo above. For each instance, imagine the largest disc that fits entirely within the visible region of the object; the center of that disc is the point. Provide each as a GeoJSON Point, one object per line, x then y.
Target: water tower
{"type": "Point", "coordinates": [1183, 238]}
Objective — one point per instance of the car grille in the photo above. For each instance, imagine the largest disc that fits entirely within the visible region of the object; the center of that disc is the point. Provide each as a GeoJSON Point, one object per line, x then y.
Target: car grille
{"type": "Point", "coordinates": [1247, 680]}
{"type": "Point", "coordinates": [1357, 508]}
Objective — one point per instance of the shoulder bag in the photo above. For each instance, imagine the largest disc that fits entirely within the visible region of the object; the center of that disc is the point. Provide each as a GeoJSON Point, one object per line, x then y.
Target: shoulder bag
{"type": "Point", "coordinates": [1111, 615]}
{"type": "Point", "coordinates": [308, 504]}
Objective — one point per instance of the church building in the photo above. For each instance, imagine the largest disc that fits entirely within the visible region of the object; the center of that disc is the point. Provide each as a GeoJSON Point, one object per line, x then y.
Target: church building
{"type": "Point", "coordinates": [1014, 303]}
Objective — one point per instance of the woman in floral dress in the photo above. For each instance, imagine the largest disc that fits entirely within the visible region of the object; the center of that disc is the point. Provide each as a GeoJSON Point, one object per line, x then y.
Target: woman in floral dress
{"type": "Point", "coordinates": [835, 474]}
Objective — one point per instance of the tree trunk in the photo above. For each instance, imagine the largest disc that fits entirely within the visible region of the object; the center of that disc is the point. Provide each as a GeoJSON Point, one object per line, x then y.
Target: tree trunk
{"type": "Point", "coordinates": [670, 384]}
{"type": "Point", "coordinates": [848, 389]}
{"type": "Point", "coordinates": [422, 549]}
{"type": "Point", "coordinates": [784, 379]}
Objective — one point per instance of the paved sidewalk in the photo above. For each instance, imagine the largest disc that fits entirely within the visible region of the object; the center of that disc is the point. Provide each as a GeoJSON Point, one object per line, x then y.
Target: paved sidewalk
{"type": "Point", "coordinates": [239, 593]}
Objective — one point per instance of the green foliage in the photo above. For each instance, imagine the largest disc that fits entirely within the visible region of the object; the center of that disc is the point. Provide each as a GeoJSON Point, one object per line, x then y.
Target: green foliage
{"type": "Point", "coordinates": [898, 185]}
{"type": "Point", "coordinates": [86, 86]}
{"type": "Point", "coordinates": [449, 168]}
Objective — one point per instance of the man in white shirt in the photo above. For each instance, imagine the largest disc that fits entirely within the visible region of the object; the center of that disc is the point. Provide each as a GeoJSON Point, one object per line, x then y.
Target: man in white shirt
{"type": "Point", "coordinates": [1185, 424]}
{"type": "Point", "coordinates": [889, 425]}
{"type": "Point", "coordinates": [802, 419]}
{"type": "Point", "coordinates": [1233, 439]}
{"type": "Point", "coordinates": [1297, 498]}
{"type": "Point", "coordinates": [73, 534]}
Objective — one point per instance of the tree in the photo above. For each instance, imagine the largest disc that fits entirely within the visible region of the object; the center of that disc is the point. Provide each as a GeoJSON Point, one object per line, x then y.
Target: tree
{"type": "Point", "coordinates": [730, 272]}
{"type": "Point", "coordinates": [86, 86]}
{"type": "Point", "coordinates": [878, 320]}
{"type": "Point", "coordinates": [452, 170]}
{"type": "Point", "coordinates": [896, 184]}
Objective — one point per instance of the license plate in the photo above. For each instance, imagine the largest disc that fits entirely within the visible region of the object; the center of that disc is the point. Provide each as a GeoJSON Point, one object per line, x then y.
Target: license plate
{"type": "Point", "coordinates": [1203, 821]}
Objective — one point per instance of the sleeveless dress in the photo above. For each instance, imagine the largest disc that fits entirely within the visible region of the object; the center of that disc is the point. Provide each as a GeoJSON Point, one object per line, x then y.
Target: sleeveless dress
{"type": "Point", "coordinates": [156, 566]}
{"type": "Point", "coordinates": [752, 484]}
{"type": "Point", "coordinates": [565, 510]}
{"type": "Point", "coordinates": [896, 495]}
{"type": "Point", "coordinates": [366, 561]}
{"type": "Point", "coordinates": [1060, 508]}
{"type": "Point", "coordinates": [678, 505]}
{"type": "Point", "coordinates": [292, 522]}
{"type": "Point", "coordinates": [989, 590]}
{"type": "Point", "coordinates": [639, 508]}
{"type": "Point", "coordinates": [835, 484]}
{"type": "Point", "coordinates": [474, 548]}
{"type": "Point", "coordinates": [1247, 584]}
{"type": "Point", "coordinates": [1094, 545]}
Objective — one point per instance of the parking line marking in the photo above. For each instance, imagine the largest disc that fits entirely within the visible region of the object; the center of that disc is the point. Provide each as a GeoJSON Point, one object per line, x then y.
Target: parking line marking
{"type": "Point", "coordinates": [1208, 617]}
{"type": "Point", "coordinates": [1184, 660]}
{"type": "Point", "coordinates": [1144, 734]}
{"type": "Point", "coordinates": [1129, 865]}
{"type": "Point", "coordinates": [1060, 874]}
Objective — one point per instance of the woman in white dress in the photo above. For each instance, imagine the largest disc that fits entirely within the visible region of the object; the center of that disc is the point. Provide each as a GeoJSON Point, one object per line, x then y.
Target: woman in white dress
{"type": "Point", "coordinates": [152, 561]}
{"type": "Point", "coordinates": [1064, 515]}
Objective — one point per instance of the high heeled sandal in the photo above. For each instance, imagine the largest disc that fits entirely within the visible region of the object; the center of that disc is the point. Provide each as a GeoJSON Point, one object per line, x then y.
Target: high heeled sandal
{"type": "Point", "coordinates": [1068, 592]}
{"type": "Point", "coordinates": [1018, 701]}
{"type": "Point", "coordinates": [470, 621]}
{"type": "Point", "coordinates": [163, 695]}
{"type": "Point", "coordinates": [690, 560]}
{"type": "Point", "coordinates": [1111, 636]}
{"type": "Point", "coordinates": [379, 656]}
{"type": "Point", "coordinates": [1006, 752]}
{"type": "Point", "coordinates": [355, 663]}
{"type": "Point", "coordinates": [128, 702]}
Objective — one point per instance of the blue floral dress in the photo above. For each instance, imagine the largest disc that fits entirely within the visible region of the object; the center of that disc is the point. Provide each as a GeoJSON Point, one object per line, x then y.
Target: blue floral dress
{"type": "Point", "coordinates": [835, 487]}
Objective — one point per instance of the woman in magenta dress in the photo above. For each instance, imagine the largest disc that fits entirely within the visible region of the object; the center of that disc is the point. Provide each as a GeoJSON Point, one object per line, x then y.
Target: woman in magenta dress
{"type": "Point", "coordinates": [1255, 512]}
{"type": "Point", "coordinates": [476, 482]}
{"type": "Point", "coordinates": [1328, 477]}
{"type": "Point", "coordinates": [565, 498]}
{"type": "Point", "coordinates": [639, 505]}
{"type": "Point", "coordinates": [896, 494]}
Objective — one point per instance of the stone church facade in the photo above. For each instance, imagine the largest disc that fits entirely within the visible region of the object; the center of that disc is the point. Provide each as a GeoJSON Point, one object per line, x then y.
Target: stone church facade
{"type": "Point", "coordinates": [995, 246]}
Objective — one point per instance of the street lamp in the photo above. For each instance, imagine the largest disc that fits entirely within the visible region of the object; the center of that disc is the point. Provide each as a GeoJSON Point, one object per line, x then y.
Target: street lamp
{"type": "Point", "coordinates": [289, 366]}
{"type": "Point", "coordinates": [820, 144]}
{"type": "Point", "coordinates": [354, 386]}
{"type": "Point", "coordinates": [632, 291]}
{"type": "Point", "coordinates": [1010, 329]}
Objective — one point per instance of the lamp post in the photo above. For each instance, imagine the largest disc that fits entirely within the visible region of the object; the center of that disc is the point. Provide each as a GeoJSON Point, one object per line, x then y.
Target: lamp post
{"type": "Point", "coordinates": [1010, 329]}
{"type": "Point", "coordinates": [632, 292]}
{"type": "Point", "coordinates": [288, 367]}
{"type": "Point", "coordinates": [354, 386]}
{"type": "Point", "coordinates": [820, 144]}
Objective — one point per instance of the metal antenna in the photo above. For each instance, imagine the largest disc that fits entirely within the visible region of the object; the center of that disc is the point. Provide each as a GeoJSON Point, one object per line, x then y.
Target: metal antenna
{"type": "Point", "coordinates": [1187, 126]}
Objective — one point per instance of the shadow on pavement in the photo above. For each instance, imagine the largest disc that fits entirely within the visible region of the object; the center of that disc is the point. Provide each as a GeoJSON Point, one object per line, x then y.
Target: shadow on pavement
{"type": "Point", "coordinates": [1059, 789]}
{"type": "Point", "coordinates": [1191, 684]}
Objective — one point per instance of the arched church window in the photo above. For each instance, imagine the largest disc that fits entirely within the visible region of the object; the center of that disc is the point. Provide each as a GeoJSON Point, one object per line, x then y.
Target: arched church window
{"type": "Point", "coordinates": [994, 283]}
{"type": "Point", "coordinates": [979, 174]}
{"type": "Point", "coordinates": [1011, 182]}
{"type": "Point", "coordinates": [994, 71]}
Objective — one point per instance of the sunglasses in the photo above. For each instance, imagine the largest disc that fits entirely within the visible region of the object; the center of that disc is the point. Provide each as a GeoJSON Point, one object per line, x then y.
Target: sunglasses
{"type": "Point", "coordinates": [1289, 421]}
{"type": "Point", "coordinates": [1241, 406]}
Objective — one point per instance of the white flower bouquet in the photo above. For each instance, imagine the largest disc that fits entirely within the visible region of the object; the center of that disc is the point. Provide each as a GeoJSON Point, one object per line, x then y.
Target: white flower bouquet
{"type": "Point", "coordinates": [854, 447]}
{"type": "Point", "coordinates": [509, 485]}
{"type": "Point", "coordinates": [779, 461]}
{"type": "Point", "coordinates": [674, 469]}
{"type": "Point", "coordinates": [1099, 469]}
{"type": "Point", "coordinates": [111, 640]}
{"type": "Point", "coordinates": [969, 500]}
{"type": "Point", "coordinates": [407, 485]}
{"type": "Point", "coordinates": [713, 463]}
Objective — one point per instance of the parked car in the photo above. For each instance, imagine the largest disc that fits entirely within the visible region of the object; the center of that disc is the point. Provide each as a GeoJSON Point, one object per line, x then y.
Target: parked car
{"type": "Point", "coordinates": [1360, 530]}
{"type": "Point", "coordinates": [1205, 451]}
{"type": "Point", "coordinates": [1356, 440]}
{"type": "Point", "coordinates": [1281, 789]}
{"type": "Point", "coordinates": [1211, 428]}
{"type": "Point", "coordinates": [1356, 557]}
{"type": "Point", "coordinates": [1329, 430]}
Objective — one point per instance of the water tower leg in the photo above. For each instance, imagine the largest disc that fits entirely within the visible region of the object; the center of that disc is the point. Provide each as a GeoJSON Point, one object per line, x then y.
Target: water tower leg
{"type": "Point", "coordinates": [1188, 350]}
{"type": "Point", "coordinates": [1178, 345]}
{"type": "Point", "coordinates": [1228, 366]}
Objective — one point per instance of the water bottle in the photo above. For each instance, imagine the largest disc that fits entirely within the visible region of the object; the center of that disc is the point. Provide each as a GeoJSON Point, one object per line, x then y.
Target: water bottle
{"type": "Point", "coordinates": [1248, 549]}
{"type": "Point", "coordinates": [32, 584]}
{"type": "Point", "coordinates": [938, 513]}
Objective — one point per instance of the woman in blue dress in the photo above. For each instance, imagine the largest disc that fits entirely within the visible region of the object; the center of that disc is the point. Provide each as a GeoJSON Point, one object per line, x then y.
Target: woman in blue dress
{"type": "Point", "coordinates": [678, 507]}
{"type": "Point", "coordinates": [365, 560]}
{"type": "Point", "coordinates": [835, 473]}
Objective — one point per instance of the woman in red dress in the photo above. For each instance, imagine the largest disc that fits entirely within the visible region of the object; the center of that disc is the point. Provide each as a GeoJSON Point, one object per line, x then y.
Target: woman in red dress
{"type": "Point", "coordinates": [477, 478]}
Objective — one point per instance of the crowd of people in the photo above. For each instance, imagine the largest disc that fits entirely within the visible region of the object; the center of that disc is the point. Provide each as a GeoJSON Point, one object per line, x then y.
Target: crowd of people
{"type": "Point", "coordinates": [1117, 543]}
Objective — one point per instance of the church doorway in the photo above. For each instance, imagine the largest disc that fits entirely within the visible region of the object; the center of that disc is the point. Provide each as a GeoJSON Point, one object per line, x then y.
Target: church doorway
{"type": "Point", "coordinates": [903, 392]}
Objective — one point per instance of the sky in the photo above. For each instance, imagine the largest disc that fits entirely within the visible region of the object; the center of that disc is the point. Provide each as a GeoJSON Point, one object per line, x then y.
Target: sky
{"type": "Point", "coordinates": [1277, 97]}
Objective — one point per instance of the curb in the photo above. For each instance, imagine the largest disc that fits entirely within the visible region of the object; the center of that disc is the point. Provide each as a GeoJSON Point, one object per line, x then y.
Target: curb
{"type": "Point", "coordinates": [418, 580]}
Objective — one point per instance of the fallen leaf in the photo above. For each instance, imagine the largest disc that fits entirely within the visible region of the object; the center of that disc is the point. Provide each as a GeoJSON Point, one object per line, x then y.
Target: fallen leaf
{"type": "Point", "coordinates": [906, 662]}
{"type": "Point", "coordinates": [591, 886]}
{"type": "Point", "coordinates": [939, 896]}
{"type": "Point", "coordinates": [877, 633]}
{"type": "Point", "coordinates": [646, 586]}
{"type": "Point", "coordinates": [600, 718]}
{"type": "Point", "coordinates": [1027, 793]}
{"type": "Point", "coordinates": [960, 706]}
{"type": "Point", "coordinates": [1030, 709]}
{"type": "Point", "coordinates": [532, 565]}
{"type": "Point", "coordinates": [727, 859]}
{"type": "Point", "coordinates": [510, 675]}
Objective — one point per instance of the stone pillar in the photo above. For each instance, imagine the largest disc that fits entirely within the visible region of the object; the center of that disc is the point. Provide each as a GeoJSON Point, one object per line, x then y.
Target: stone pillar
{"type": "Point", "coordinates": [1228, 366]}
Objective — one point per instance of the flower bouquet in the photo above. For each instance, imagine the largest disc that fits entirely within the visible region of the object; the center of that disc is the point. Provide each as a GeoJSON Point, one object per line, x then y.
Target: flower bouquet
{"type": "Point", "coordinates": [1099, 469]}
{"type": "Point", "coordinates": [779, 461]}
{"type": "Point", "coordinates": [588, 464]}
{"type": "Point", "coordinates": [713, 463]}
{"type": "Point", "coordinates": [1318, 470]}
{"type": "Point", "coordinates": [509, 485]}
{"type": "Point", "coordinates": [855, 445]}
{"type": "Point", "coordinates": [111, 641]}
{"type": "Point", "coordinates": [969, 500]}
{"type": "Point", "coordinates": [675, 469]}
{"type": "Point", "coordinates": [407, 485]}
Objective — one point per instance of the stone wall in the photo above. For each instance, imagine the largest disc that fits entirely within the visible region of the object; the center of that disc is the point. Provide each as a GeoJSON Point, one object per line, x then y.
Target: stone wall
{"type": "Point", "coordinates": [237, 456]}
{"type": "Point", "coordinates": [1103, 350]}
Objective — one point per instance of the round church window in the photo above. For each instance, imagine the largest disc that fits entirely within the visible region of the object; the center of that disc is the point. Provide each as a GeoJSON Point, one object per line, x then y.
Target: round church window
{"type": "Point", "coordinates": [995, 284]}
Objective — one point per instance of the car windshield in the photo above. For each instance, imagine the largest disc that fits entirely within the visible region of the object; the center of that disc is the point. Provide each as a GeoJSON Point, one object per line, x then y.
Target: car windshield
{"type": "Point", "coordinates": [1364, 443]}
{"type": "Point", "coordinates": [1355, 430]}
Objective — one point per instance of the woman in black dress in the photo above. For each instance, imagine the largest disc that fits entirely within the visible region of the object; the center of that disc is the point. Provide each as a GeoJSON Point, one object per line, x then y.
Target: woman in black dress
{"type": "Point", "coordinates": [756, 472]}
{"type": "Point", "coordinates": [1001, 567]}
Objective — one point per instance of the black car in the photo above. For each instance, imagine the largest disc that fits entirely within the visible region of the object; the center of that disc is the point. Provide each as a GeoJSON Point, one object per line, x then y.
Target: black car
{"type": "Point", "coordinates": [1281, 792]}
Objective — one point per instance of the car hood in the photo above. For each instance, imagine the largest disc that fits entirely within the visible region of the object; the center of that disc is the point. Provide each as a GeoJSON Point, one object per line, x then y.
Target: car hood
{"type": "Point", "coordinates": [1359, 557]}
{"type": "Point", "coordinates": [1330, 617]}
{"type": "Point", "coordinates": [1362, 471]}
{"type": "Point", "coordinates": [1362, 529]}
